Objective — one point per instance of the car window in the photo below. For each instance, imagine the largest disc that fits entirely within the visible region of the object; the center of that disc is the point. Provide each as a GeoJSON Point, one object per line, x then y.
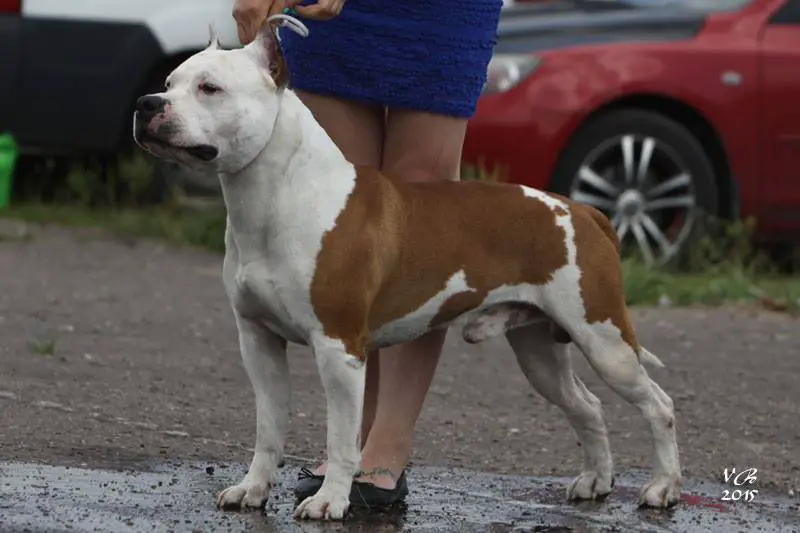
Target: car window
{"type": "Point", "coordinates": [788, 14]}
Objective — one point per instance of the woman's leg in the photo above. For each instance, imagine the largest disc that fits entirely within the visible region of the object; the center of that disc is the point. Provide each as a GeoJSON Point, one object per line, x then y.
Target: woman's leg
{"type": "Point", "coordinates": [418, 147]}
{"type": "Point", "coordinates": [358, 131]}
{"type": "Point", "coordinates": [356, 128]}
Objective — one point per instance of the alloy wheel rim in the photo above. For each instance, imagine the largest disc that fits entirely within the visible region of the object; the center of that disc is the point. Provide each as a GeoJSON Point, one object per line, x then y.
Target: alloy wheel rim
{"type": "Point", "coordinates": [643, 186]}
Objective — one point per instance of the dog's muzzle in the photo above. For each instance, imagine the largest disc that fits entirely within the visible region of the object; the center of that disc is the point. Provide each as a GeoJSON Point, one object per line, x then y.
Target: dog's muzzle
{"type": "Point", "coordinates": [151, 108]}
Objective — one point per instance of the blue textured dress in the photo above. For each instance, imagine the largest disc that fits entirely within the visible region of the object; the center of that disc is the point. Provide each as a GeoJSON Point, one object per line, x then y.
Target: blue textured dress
{"type": "Point", "coordinates": [426, 56]}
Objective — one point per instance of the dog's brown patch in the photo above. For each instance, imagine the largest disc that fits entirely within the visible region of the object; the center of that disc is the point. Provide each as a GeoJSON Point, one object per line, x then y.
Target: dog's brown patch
{"type": "Point", "coordinates": [396, 245]}
{"type": "Point", "coordinates": [354, 258]}
{"type": "Point", "coordinates": [601, 283]}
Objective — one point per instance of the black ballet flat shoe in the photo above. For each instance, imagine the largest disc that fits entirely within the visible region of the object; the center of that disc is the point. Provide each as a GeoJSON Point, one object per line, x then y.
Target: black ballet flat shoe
{"type": "Point", "coordinates": [308, 483]}
{"type": "Point", "coordinates": [367, 495]}
{"type": "Point", "coordinates": [362, 494]}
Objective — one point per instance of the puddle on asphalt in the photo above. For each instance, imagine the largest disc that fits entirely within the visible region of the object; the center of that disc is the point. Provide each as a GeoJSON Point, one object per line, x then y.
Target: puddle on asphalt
{"type": "Point", "coordinates": [180, 497]}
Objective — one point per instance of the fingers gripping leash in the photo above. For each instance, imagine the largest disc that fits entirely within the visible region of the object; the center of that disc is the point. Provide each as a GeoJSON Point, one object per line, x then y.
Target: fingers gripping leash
{"type": "Point", "coordinates": [287, 19]}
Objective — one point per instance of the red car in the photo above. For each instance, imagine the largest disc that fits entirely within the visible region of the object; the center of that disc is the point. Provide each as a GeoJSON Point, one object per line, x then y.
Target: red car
{"type": "Point", "coordinates": [652, 111]}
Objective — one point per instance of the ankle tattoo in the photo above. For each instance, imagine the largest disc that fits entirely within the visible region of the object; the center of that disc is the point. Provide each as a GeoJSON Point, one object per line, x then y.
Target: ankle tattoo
{"type": "Point", "coordinates": [375, 472]}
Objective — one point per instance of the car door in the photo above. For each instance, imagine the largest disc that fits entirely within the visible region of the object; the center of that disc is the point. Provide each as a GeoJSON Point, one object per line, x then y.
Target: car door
{"type": "Point", "coordinates": [780, 68]}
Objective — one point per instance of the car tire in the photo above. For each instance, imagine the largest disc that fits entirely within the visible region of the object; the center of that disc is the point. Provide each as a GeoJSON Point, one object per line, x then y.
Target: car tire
{"type": "Point", "coordinates": [678, 169]}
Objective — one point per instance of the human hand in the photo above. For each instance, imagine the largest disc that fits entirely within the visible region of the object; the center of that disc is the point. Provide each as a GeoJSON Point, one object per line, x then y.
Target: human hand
{"type": "Point", "coordinates": [250, 15]}
{"type": "Point", "coordinates": [321, 10]}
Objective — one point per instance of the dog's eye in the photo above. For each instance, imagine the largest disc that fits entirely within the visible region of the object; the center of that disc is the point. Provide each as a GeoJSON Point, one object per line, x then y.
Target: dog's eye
{"type": "Point", "coordinates": [209, 88]}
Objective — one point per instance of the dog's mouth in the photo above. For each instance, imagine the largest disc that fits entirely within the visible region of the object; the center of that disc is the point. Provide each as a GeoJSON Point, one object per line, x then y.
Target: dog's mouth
{"type": "Point", "coordinates": [203, 152]}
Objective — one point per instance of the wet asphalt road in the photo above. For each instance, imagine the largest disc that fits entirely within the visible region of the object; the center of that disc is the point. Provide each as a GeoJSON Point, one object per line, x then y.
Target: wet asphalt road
{"type": "Point", "coordinates": [179, 497]}
{"type": "Point", "coordinates": [119, 355]}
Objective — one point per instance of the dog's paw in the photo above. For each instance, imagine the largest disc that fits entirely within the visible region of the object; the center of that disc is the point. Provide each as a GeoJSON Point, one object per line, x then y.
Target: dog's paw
{"type": "Point", "coordinates": [590, 485]}
{"type": "Point", "coordinates": [245, 494]}
{"type": "Point", "coordinates": [323, 506]}
{"type": "Point", "coordinates": [661, 492]}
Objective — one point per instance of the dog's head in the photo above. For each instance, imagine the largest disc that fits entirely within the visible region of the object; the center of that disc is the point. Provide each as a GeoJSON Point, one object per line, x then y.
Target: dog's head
{"type": "Point", "coordinates": [219, 107]}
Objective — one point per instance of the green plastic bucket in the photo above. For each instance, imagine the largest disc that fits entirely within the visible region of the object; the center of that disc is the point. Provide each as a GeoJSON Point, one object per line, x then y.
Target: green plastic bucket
{"type": "Point", "coordinates": [8, 158]}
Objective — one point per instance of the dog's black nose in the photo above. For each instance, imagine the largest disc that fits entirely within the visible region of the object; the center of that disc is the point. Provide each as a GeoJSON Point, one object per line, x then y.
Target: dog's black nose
{"type": "Point", "coordinates": [149, 106]}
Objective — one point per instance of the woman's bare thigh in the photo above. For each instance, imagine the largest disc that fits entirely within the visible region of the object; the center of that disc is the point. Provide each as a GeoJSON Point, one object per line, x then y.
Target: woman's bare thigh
{"type": "Point", "coordinates": [420, 146]}
{"type": "Point", "coordinates": [356, 128]}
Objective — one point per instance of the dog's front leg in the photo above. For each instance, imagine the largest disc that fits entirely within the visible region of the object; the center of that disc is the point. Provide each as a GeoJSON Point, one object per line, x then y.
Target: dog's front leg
{"type": "Point", "coordinates": [343, 374]}
{"type": "Point", "coordinates": [264, 358]}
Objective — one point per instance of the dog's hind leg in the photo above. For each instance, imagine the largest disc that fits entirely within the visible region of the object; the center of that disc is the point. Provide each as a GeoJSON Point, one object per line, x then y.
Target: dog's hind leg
{"type": "Point", "coordinates": [264, 358]}
{"type": "Point", "coordinates": [616, 362]}
{"type": "Point", "coordinates": [547, 365]}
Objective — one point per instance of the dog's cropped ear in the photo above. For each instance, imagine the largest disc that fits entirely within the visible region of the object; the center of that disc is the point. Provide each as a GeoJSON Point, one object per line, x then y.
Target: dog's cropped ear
{"type": "Point", "coordinates": [213, 39]}
{"type": "Point", "coordinates": [270, 54]}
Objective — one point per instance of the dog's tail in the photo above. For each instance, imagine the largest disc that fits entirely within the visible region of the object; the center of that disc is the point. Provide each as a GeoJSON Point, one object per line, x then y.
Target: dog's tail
{"type": "Point", "coordinates": [647, 357]}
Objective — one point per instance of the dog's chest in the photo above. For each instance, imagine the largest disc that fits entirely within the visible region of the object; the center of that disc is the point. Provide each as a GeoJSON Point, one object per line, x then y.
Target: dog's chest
{"type": "Point", "coordinates": [273, 296]}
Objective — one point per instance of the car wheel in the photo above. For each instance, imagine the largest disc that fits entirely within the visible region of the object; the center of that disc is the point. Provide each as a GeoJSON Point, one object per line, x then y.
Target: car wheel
{"type": "Point", "coordinates": [647, 173]}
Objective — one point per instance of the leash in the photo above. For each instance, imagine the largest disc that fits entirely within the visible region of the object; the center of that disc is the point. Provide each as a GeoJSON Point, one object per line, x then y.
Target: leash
{"type": "Point", "coordinates": [289, 19]}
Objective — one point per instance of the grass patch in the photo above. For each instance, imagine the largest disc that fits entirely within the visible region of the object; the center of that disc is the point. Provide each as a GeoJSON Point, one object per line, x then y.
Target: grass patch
{"type": "Point", "coordinates": [42, 347]}
{"type": "Point", "coordinates": [204, 229]}
{"type": "Point", "coordinates": [721, 266]}
{"type": "Point", "coordinates": [649, 286]}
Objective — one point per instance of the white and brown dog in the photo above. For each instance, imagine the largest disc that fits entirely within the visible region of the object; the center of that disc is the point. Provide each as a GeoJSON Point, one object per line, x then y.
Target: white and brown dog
{"type": "Point", "coordinates": [345, 260]}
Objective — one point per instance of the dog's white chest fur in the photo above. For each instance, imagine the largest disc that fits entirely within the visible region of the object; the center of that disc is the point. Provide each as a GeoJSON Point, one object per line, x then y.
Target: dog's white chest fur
{"type": "Point", "coordinates": [260, 292]}
{"type": "Point", "coordinates": [278, 215]}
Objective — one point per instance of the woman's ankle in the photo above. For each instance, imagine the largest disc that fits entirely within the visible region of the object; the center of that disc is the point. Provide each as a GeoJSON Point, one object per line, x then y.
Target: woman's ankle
{"type": "Point", "coordinates": [380, 476]}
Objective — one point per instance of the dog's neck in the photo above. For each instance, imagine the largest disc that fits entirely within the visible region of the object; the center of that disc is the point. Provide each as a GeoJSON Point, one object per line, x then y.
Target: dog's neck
{"type": "Point", "coordinates": [282, 194]}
